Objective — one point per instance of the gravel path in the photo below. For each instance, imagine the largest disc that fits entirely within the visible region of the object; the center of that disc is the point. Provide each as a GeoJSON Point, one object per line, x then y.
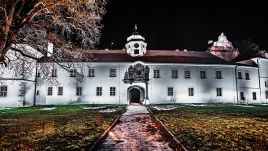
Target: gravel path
{"type": "Point", "coordinates": [136, 130]}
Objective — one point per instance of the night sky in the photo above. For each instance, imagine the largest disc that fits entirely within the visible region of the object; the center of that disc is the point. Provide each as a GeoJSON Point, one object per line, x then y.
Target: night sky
{"type": "Point", "coordinates": [169, 25]}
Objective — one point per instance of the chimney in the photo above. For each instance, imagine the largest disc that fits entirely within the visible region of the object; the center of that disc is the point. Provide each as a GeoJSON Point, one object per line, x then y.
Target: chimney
{"type": "Point", "coordinates": [177, 49]}
{"type": "Point", "coordinates": [49, 49]}
{"type": "Point", "coordinates": [185, 50]}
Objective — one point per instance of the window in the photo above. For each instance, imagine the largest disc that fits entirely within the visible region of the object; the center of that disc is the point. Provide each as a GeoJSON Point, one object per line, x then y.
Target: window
{"type": "Point", "coordinates": [242, 97]}
{"type": "Point", "coordinates": [247, 76]}
{"type": "Point", "coordinates": [136, 51]}
{"type": "Point", "coordinates": [37, 92]}
{"type": "Point", "coordinates": [78, 91]}
{"type": "Point", "coordinates": [219, 91]}
{"type": "Point", "coordinates": [218, 75]}
{"type": "Point", "coordinates": [60, 90]}
{"type": "Point", "coordinates": [191, 91]}
{"type": "Point", "coordinates": [38, 75]}
{"type": "Point", "coordinates": [54, 73]}
{"type": "Point", "coordinates": [203, 74]}
{"type": "Point", "coordinates": [99, 91]}
{"type": "Point", "coordinates": [156, 73]}
{"type": "Point", "coordinates": [170, 91]}
{"type": "Point", "coordinates": [91, 72]}
{"type": "Point", "coordinates": [112, 91]}
{"type": "Point", "coordinates": [254, 96]}
{"type": "Point", "coordinates": [174, 73]}
{"type": "Point", "coordinates": [266, 84]}
{"type": "Point", "coordinates": [266, 94]}
{"type": "Point", "coordinates": [187, 74]}
{"type": "Point", "coordinates": [112, 72]}
{"type": "Point", "coordinates": [3, 91]}
{"type": "Point", "coordinates": [239, 75]}
{"type": "Point", "coordinates": [73, 73]}
{"type": "Point", "coordinates": [49, 91]}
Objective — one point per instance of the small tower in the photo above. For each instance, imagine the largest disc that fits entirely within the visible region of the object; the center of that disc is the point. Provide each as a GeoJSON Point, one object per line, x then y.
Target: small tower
{"type": "Point", "coordinates": [136, 45]}
{"type": "Point", "coordinates": [223, 49]}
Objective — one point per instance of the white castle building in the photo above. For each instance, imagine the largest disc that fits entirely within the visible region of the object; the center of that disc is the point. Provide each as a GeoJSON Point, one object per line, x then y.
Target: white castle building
{"type": "Point", "coordinates": [136, 74]}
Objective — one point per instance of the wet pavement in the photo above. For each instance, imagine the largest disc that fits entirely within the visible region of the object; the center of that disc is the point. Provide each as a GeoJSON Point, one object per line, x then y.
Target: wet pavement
{"type": "Point", "coordinates": [136, 131]}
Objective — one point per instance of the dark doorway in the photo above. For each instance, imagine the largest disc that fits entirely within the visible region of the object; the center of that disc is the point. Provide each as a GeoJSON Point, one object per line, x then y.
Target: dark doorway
{"type": "Point", "coordinates": [134, 95]}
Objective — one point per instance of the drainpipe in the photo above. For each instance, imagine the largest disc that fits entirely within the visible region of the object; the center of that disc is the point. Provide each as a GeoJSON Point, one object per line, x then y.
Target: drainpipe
{"type": "Point", "coordinates": [35, 85]}
{"type": "Point", "coordinates": [236, 85]}
{"type": "Point", "coordinates": [259, 77]}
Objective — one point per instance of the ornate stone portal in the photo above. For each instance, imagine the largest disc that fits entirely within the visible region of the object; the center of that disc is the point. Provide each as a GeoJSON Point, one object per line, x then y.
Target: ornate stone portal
{"type": "Point", "coordinates": [138, 74]}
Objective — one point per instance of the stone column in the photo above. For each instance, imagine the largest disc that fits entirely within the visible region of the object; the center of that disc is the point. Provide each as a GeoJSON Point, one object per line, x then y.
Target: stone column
{"type": "Point", "coordinates": [146, 93]}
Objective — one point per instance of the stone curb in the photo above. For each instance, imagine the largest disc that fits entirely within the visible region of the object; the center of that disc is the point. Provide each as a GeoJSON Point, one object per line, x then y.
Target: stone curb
{"type": "Point", "coordinates": [105, 133]}
{"type": "Point", "coordinates": [173, 137]}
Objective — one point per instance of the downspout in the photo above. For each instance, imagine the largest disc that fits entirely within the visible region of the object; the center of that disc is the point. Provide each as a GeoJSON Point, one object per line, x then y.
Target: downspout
{"type": "Point", "coordinates": [236, 85]}
{"type": "Point", "coordinates": [35, 85]}
{"type": "Point", "coordinates": [259, 77]}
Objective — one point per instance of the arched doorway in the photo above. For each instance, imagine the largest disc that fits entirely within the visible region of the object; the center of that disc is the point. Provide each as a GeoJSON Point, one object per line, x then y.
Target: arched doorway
{"type": "Point", "coordinates": [135, 94]}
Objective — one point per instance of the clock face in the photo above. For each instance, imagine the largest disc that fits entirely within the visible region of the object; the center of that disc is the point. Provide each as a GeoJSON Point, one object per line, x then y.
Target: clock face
{"type": "Point", "coordinates": [136, 45]}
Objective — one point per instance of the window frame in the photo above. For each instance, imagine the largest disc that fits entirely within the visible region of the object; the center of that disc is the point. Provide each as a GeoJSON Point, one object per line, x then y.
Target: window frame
{"type": "Point", "coordinates": [187, 74]}
{"type": "Point", "coordinates": [218, 74]}
{"type": "Point", "coordinates": [49, 91]}
{"type": "Point", "coordinates": [242, 96]}
{"type": "Point", "coordinates": [174, 73]}
{"type": "Point", "coordinates": [3, 90]}
{"type": "Point", "coordinates": [60, 91]}
{"type": "Point", "coordinates": [112, 91]}
{"type": "Point", "coordinates": [203, 75]}
{"type": "Point", "coordinates": [156, 73]}
{"type": "Point", "coordinates": [79, 91]}
{"type": "Point", "coordinates": [170, 91]}
{"type": "Point", "coordinates": [73, 72]}
{"type": "Point", "coordinates": [54, 72]}
{"type": "Point", "coordinates": [247, 76]}
{"type": "Point", "coordinates": [91, 72]}
{"type": "Point", "coordinates": [112, 72]}
{"type": "Point", "coordinates": [98, 91]}
{"type": "Point", "coordinates": [254, 96]}
{"type": "Point", "coordinates": [190, 91]}
{"type": "Point", "coordinates": [239, 75]}
{"type": "Point", "coordinates": [219, 92]}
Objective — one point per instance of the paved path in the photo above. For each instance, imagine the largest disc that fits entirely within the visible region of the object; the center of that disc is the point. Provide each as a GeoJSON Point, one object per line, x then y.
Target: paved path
{"type": "Point", "coordinates": [135, 131]}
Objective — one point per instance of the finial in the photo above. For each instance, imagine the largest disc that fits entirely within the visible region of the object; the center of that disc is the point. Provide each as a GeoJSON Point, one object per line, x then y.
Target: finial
{"type": "Point", "coordinates": [135, 28]}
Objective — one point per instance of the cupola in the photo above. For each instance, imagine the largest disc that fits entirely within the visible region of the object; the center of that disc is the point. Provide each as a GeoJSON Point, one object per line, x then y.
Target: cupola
{"type": "Point", "coordinates": [136, 45]}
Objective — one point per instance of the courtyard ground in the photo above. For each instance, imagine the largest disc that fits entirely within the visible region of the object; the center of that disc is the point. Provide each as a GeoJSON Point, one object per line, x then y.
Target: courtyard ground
{"type": "Point", "coordinates": [137, 130]}
{"type": "Point", "coordinates": [216, 127]}
{"type": "Point", "coordinates": [55, 127]}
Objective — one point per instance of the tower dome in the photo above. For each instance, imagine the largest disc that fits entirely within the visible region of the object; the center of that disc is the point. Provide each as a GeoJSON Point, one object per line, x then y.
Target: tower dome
{"type": "Point", "coordinates": [223, 49]}
{"type": "Point", "coordinates": [136, 45]}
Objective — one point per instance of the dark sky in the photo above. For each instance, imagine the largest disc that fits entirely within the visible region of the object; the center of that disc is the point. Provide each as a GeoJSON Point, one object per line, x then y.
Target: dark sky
{"type": "Point", "coordinates": [177, 25]}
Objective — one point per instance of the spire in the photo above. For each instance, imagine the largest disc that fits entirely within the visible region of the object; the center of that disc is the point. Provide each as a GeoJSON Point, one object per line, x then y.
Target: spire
{"type": "Point", "coordinates": [135, 30]}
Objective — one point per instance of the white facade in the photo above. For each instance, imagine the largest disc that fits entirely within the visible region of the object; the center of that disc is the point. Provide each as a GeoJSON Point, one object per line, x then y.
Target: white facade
{"type": "Point", "coordinates": [119, 77]}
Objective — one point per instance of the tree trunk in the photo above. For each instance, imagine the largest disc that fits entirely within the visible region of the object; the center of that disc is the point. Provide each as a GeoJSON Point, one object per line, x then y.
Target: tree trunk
{"type": "Point", "coordinates": [4, 46]}
{"type": "Point", "coordinates": [2, 55]}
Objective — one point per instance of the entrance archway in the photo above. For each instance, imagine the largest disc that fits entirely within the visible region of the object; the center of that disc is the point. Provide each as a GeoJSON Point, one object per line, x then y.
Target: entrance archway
{"type": "Point", "coordinates": [135, 94]}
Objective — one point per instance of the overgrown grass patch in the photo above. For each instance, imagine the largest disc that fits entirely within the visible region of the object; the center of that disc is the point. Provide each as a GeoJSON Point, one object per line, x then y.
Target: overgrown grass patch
{"type": "Point", "coordinates": [60, 127]}
{"type": "Point", "coordinates": [217, 126]}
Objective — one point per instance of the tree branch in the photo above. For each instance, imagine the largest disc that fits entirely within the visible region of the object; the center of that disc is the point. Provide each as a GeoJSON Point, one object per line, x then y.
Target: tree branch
{"type": "Point", "coordinates": [23, 54]}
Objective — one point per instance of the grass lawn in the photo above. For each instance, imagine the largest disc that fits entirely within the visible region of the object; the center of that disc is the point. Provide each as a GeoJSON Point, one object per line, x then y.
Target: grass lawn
{"type": "Point", "coordinates": [55, 127]}
{"type": "Point", "coordinates": [216, 127]}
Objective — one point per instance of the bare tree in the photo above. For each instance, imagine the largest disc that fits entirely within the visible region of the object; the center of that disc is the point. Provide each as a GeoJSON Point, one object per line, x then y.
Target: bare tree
{"type": "Point", "coordinates": [70, 25]}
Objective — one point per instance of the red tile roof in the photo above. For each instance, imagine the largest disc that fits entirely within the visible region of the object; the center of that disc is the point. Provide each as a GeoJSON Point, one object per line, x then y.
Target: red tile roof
{"type": "Point", "coordinates": [152, 56]}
